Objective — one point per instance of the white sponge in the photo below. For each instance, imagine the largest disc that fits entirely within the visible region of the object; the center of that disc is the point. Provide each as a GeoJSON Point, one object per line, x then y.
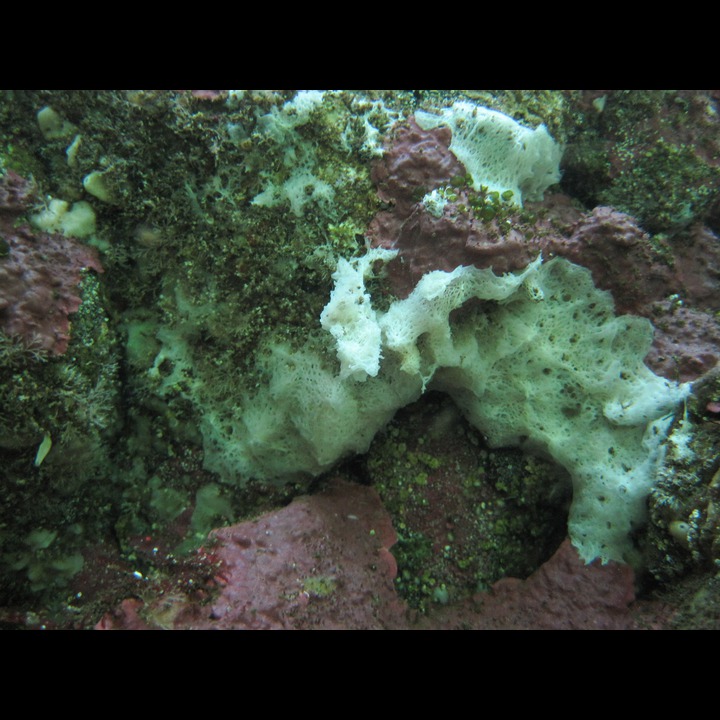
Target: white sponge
{"type": "Point", "coordinates": [540, 362]}
{"type": "Point", "coordinates": [350, 318]}
{"type": "Point", "coordinates": [499, 152]}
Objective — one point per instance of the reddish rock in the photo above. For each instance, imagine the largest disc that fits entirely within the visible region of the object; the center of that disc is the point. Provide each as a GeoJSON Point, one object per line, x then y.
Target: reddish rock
{"type": "Point", "coordinates": [39, 275]}
{"type": "Point", "coordinates": [620, 256]}
{"type": "Point", "coordinates": [318, 564]}
{"type": "Point", "coordinates": [640, 272]}
{"type": "Point", "coordinates": [686, 344]}
{"type": "Point", "coordinates": [321, 562]}
{"type": "Point", "coordinates": [696, 263]}
{"type": "Point", "coordinates": [415, 162]}
{"type": "Point", "coordinates": [455, 238]}
{"type": "Point", "coordinates": [324, 562]}
{"type": "Point", "coordinates": [563, 594]}
{"type": "Point", "coordinates": [16, 193]}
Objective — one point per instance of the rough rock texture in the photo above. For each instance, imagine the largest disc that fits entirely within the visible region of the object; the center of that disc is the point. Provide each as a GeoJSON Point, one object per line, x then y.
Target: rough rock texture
{"type": "Point", "coordinates": [620, 256]}
{"type": "Point", "coordinates": [457, 237]}
{"type": "Point", "coordinates": [321, 562]}
{"type": "Point", "coordinates": [563, 594]}
{"type": "Point", "coordinates": [686, 343]}
{"type": "Point", "coordinates": [697, 268]}
{"type": "Point", "coordinates": [15, 194]}
{"type": "Point", "coordinates": [416, 161]}
{"type": "Point", "coordinates": [39, 275]}
{"type": "Point", "coordinates": [642, 274]}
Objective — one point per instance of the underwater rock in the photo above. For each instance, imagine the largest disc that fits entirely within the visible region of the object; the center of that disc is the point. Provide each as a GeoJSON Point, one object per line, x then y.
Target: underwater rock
{"type": "Point", "coordinates": [323, 562]}
{"type": "Point", "coordinates": [39, 276]}
{"type": "Point", "coordinates": [563, 594]}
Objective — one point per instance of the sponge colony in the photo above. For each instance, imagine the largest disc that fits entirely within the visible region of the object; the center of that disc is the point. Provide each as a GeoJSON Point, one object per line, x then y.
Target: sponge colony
{"type": "Point", "coordinates": [537, 360]}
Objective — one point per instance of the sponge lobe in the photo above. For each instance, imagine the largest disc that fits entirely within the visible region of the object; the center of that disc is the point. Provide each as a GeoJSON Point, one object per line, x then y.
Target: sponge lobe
{"type": "Point", "coordinates": [499, 152]}
{"type": "Point", "coordinates": [564, 377]}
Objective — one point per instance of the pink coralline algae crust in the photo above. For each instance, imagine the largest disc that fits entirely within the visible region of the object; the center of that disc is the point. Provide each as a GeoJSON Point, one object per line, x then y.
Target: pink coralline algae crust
{"type": "Point", "coordinates": [15, 195]}
{"type": "Point", "coordinates": [641, 276]}
{"type": "Point", "coordinates": [456, 238]}
{"type": "Point", "coordinates": [686, 344]}
{"type": "Point", "coordinates": [263, 587]}
{"type": "Point", "coordinates": [321, 562]}
{"type": "Point", "coordinates": [415, 162]}
{"type": "Point", "coordinates": [418, 161]}
{"type": "Point", "coordinates": [212, 95]}
{"type": "Point", "coordinates": [563, 594]}
{"type": "Point", "coordinates": [39, 275]}
{"type": "Point", "coordinates": [640, 271]}
{"type": "Point", "coordinates": [620, 257]}
{"type": "Point", "coordinates": [324, 562]}
{"type": "Point", "coordinates": [687, 331]}
{"type": "Point", "coordinates": [697, 268]}
{"type": "Point", "coordinates": [609, 243]}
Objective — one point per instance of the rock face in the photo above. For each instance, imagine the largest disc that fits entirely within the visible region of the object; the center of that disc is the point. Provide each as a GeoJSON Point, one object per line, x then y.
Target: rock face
{"type": "Point", "coordinates": [563, 594]}
{"type": "Point", "coordinates": [323, 562]}
{"type": "Point", "coordinates": [39, 275]}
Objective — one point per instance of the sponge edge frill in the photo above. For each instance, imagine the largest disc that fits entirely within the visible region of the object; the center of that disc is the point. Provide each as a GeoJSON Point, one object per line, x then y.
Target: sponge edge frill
{"type": "Point", "coordinates": [351, 319]}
